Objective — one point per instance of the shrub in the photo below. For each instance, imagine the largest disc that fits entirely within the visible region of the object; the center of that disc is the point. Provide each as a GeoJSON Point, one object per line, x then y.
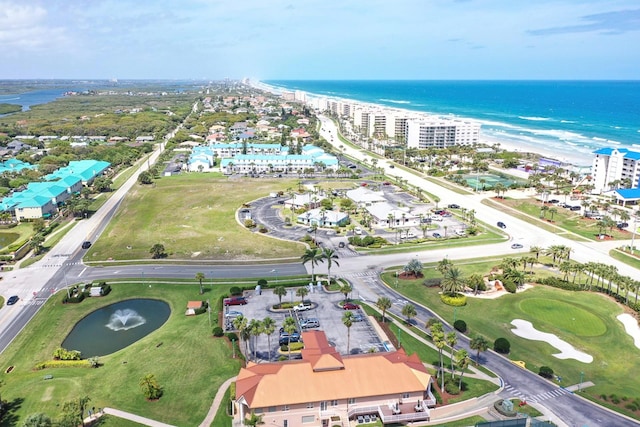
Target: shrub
{"type": "Point", "coordinates": [218, 331]}
{"type": "Point", "coordinates": [231, 336]}
{"type": "Point", "coordinates": [456, 301]}
{"type": "Point", "coordinates": [460, 326]}
{"type": "Point", "coordinates": [556, 282]}
{"type": "Point", "coordinates": [249, 223]}
{"type": "Point", "coordinates": [509, 286]}
{"type": "Point", "coordinates": [263, 229]}
{"type": "Point", "coordinates": [262, 283]}
{"type": "Point", "coordinates": [235, 290]}
{"type": "Point", "coordinates": [432, 283]}
{"type": "Point", "coordinates": [545, 372]}
{"type": "Point", "coordinates": [502, 345]}
{"type": "Point", "coordinates": [64, 354]}
{"type": "Point", "coordinates": [63, 364]}
{"type": "Point", "coordinates": [451, 387]}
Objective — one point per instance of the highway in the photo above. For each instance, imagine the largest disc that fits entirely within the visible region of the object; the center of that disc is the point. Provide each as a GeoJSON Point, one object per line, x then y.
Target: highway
{"type": "Point", "coordinates": [63, 265]}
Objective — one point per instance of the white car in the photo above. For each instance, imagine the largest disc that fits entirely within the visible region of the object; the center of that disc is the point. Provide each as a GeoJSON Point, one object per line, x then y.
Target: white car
{"type": "Point", "coordinates": [461, 233]}
{"type": "Point", "coordinates": [357, 230]}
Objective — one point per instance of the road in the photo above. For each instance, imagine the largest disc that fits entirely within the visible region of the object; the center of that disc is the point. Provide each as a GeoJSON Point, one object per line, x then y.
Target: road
{"type": "Point", "coordinates": [63, 265]}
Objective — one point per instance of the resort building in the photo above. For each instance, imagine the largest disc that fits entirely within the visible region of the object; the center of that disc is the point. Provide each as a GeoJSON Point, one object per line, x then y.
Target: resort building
{"type": "Point", "coordinates": [43, 199]}
{"type": "Point", "coordinates": [311, 158]}
{"type": "Point", "coordinates": [325, 388]}
{"type": "Point", "coordinates": [615, 167]}
{"type": "Point", "coordinates": [386, 215]}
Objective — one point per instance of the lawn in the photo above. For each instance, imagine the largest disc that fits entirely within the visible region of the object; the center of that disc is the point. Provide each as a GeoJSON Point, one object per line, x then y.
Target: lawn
{"type": "Point", "coordinates": [198, 217]}
{"type": "Point", "coordinates": [586, 320]}
{"type": "Point", "coordinates": [189, 364]}
{"type": "Point", "coordinates": [565, 219]}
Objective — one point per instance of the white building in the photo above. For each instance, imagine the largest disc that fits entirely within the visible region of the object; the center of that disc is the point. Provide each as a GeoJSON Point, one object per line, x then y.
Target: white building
{"type": "Point", "coordinates": [615, 164]}
{"type": "Point", "coordinates": [435, 132]}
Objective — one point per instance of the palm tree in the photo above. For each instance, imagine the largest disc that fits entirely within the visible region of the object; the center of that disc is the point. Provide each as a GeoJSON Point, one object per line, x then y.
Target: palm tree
{"type": "Point", "coordinates": [409, 311]}
{"type": "Point", "coordinates": [268, 327]}
{"type": "Point", "coordinates": [479, 343]}
{"type": "Point", "coordinates": [452, 339]}
{"type": "Point", "coordinates": [462, 362]}
{"type": "Point", "coordinates": [280, 291]}
{"type": "Point", "coordinates": [565, 267]}
{"type": "Point", "coordinates": [302, 292]}
{"type": "Point", "coordinates": [553, 211]}
{"type": "Point", "coordinates": [314, 256]}
{"type": "Point", "coordinates": [255, 329]}
{"type": "Point", "coordinates": [289, 327]}
{"type": "Point", "coordinates": [474, 281]}
{"type": "Point", "coordinates": [240, 324]}
{"type": "Point", "coordinates": [346, 289]}
{"type": "Point", "coordinates": [536, 250]}
{"type": "Point", "coordinates": [347, 320]}
{"type": "Point", "coordinates": [452, 282]}
{"type": "Point", "coordinates": [439, 341]}
{"type": "Point", "coordinates": [383, 304]}
{"type": "Point", "coordinates": [330, 256]}
{"type": "Point", "coordinates": [543, 211]}
{"type": "Point", "coordinates": [443, 265]}
{"type": "Point", "coordinates": [200, 278]}
{"type": "Point", "coordinates": [253, 420]}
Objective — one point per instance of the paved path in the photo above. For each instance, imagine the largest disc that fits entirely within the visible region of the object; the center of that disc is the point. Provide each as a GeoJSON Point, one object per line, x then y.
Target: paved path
{"type": "Point", "coordinates": [127, 416]}
{"type": "Point", "coordinates": [216, 402]}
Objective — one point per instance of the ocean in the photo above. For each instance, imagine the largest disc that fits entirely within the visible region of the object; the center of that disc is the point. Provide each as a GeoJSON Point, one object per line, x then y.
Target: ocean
{"type": "Point", "coordinates": [568, 118]}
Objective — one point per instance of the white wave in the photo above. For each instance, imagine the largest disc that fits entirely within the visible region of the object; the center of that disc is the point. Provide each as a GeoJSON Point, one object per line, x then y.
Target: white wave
{"type": "Point", "coordinates": [9, 99]}
{"type": "Point", "coordinates": [535, 119]}
{"type": "Point", "coordinates": [567, 121]}
{"type": "Point", "coordinates": [595, 138]}
{"type": "Point", "coordinates": [394, 101]}
{"type": "Point", "coordinates": [610, 141]}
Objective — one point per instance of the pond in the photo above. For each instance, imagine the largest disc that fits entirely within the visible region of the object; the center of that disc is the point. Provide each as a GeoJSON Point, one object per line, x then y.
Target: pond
{"type": "Point", "coordinates": [7, 238]}
{"type": "Point", "coordinates": [116, 326]}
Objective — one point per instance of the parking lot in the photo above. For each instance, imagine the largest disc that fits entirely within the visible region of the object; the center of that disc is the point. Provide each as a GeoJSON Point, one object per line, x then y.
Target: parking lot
{"type": "Point", "coordinates": [363, 337]}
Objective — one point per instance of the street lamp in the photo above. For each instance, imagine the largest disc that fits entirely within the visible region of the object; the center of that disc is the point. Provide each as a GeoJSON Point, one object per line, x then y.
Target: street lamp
{"type": "Point", "coordinates": [276, 272]}
{"type": "Point", "coordinates": [633, 235]}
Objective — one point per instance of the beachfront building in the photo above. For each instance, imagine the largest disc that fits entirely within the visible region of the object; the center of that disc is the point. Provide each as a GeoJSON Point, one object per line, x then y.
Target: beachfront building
{"type": "Point", "coordinates": [435, 132]}
{"type": "Point", "coordinates": [325, 388]}
{"type": "Point", "coordinates": [614, 168]}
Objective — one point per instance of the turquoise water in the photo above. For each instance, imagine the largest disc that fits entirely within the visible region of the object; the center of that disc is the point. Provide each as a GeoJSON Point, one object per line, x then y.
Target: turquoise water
{"type": "Point", "coordinates": [573, 118]}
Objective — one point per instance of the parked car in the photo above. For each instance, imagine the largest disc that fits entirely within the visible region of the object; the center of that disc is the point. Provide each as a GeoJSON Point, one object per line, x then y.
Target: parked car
{"type": "Point", "coordinates": [502, 225]}
{"type": "Point", "coordinates": [235, 301]}
{"type": "Point", "coordinates": [86, 244]}
{"type": "Point", "coordinates": [622, 225]}
{"type": "Point", "coordinates": [232, 314]}
{"type": "Point", "coordinates": [286, 339]}
{"type": "Point", "coordinates": [357, 230]}
{"type": "Point", "coordinates": [350, 306]}
{"type": "Point", "coordinates": [553, 201]}
{"type": "Point", "coordinates": [357, 317]}
{"type": "Point", "coordinates": [341, 245]}
{"type": "Point", "coordinates": [13, 299]}
{"type": "Point", "coordinates": [574, 208]}
{"type": "Point", "coordinates": [303, 306]}
{"type": "Point", "coordinates": [461, 233]}
{"type": "Point", "coordinates": [309, 323]}
{"type": "Point", "coordinates": [437, 235]}
{"type": "Point", "coordinates": [516, 246]}
{"type": "Point", "coordinates": [453, 206]}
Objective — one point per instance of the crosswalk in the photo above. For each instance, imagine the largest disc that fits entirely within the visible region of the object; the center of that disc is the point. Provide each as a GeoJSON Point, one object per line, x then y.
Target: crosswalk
{"type": "Point", "coordinates": [537, 397]}
{"type": "Point", "coordinates": [59, 265]}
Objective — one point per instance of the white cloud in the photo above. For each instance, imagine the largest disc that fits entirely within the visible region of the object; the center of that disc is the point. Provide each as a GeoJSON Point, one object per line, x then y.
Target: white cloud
{"type": "Point", "coordinates": [25, 28]}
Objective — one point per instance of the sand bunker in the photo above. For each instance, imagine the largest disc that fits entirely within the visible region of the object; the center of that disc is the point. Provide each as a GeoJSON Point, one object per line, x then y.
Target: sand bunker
{"type": "Point", "coordinates": [525, 329]}
{"type": "Point", "coordinates": [631, 327]}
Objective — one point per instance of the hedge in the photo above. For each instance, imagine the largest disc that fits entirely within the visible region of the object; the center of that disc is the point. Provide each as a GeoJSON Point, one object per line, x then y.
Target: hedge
{"type": "Point", "coordinates": [556, 282]}
{"type": "Point", "coordinates": [460, 325]}
{"type": "Point", "coordinates": [63, 364]}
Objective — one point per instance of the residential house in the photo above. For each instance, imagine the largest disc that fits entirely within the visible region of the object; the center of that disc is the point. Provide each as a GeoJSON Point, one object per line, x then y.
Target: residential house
{"type": "Point", "coordinates": [306, 200]}
{"type": "Point", "coordinates": [326, 388]}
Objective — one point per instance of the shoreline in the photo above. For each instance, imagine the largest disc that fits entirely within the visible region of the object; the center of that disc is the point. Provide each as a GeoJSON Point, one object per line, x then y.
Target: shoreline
{"type": "Point", "coordinates": [575, 158]}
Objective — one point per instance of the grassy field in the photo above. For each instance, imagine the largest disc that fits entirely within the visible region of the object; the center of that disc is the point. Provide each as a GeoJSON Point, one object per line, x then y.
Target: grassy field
{"type": "Point", "coordinates": [586, 320]}
{"type": "Point", "coordinates": [197, 213]}
{"type": "Point", "coordinates": [565, 219]}
{"type": "Point", "coordinates": [190, 364]}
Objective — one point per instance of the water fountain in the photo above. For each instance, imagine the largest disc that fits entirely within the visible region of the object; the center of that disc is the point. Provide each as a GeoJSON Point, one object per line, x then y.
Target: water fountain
{"type": "Point", "coordinates": [116, 326]}
{"type": "Point", "coordinates": [123, 320]}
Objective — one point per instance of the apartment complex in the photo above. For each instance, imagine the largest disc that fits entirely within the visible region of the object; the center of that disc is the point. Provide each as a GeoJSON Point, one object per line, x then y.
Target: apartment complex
{"type": "Point", "coordinates": [417, 130]}
{"type": "Point", "coordinates": [613, 166]}
{"type": "Point", "coordinates": [325, 388]}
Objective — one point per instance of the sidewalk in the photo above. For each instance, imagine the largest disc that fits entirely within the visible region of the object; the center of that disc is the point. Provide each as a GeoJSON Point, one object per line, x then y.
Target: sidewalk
{"type": "Point", "coordinates": [127, 416]}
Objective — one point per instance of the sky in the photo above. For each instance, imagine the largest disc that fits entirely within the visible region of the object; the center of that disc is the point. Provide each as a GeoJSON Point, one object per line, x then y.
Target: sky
{"type": "Point", "coordinates": [320, 39]}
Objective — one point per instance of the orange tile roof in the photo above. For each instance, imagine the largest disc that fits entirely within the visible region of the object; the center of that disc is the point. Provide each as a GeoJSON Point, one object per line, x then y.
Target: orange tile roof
{"type": "Point", "coordinates": [195, 304]}
{"type": "Point", "coordinates": [307, 380]}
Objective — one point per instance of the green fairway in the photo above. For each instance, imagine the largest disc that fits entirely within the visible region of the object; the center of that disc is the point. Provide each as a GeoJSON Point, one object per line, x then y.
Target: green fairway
{"type": "Point", "coordinates": [182, 354]}
{"type": "Point", "coordinates": [567, 317]}
{"type": "Point", "coordinates": [198, 217]}
{"type": "Point", "coordinates": [595, 330]}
